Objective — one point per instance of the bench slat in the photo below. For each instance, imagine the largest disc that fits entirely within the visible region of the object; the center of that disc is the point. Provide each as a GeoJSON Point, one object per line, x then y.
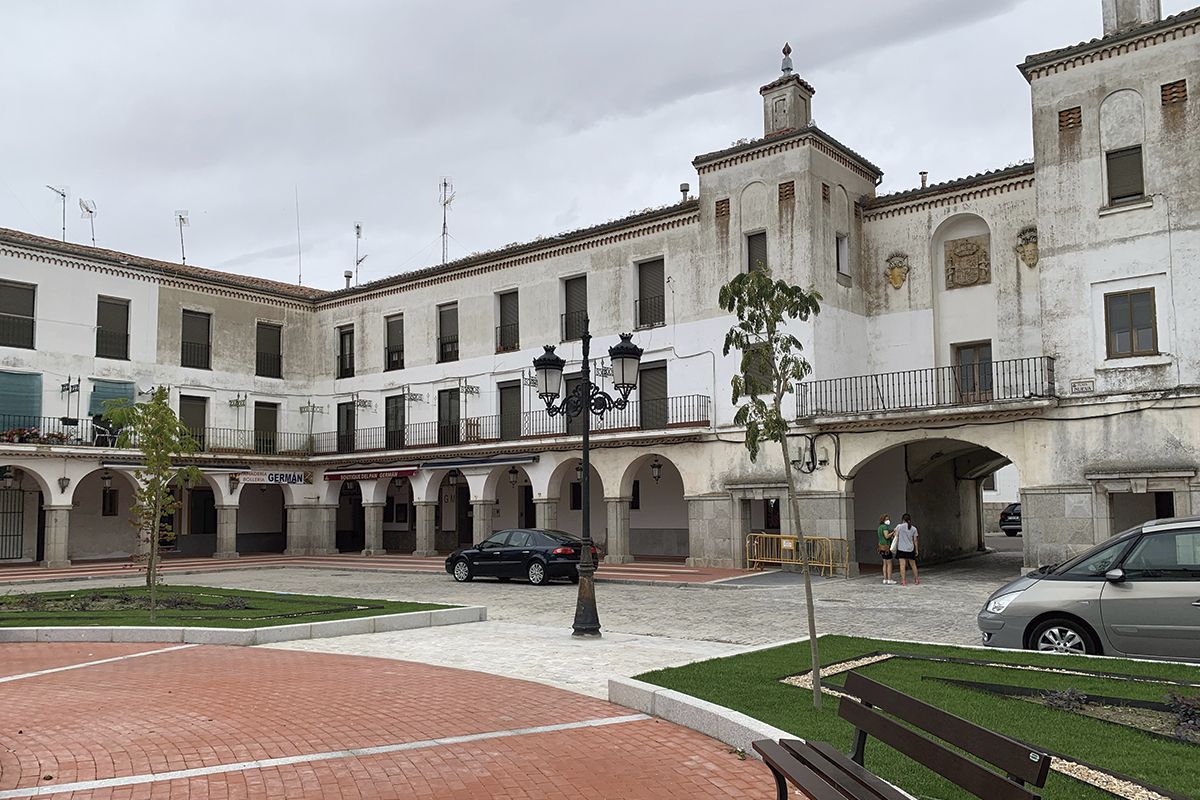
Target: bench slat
{"type": "Point", "coordinates": [976, 779]}
{"type": "Point", "coordinates": [1007, 754]}
{"type": "Point", "coordinates": [864, 776]}
{"type": "Point", "coordinates": [836, 773]}
{"type": "Point", "coordinates": [784, 763]}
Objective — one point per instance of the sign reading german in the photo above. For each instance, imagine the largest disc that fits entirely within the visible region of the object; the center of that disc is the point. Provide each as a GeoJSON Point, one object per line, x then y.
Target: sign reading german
{"type": "Point", "coordinates": [276, 477]}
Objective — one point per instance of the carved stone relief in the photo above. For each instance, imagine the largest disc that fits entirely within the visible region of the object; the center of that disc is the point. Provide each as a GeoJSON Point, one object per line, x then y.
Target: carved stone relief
{"type": "Point", "coordinates": [897, 269]}
{"type": "Point", "coordinates": [1027, 246]}
{"type": "Point", "coordinates": [968, 262]}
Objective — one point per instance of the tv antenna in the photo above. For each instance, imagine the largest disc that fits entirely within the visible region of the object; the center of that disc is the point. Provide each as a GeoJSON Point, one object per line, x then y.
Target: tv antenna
{"type": "Point", "coordinates": [181, 219]}
{"type": "Point", "coordinates": [357, 260]}
{"type": "Point", "coordinates": [447, 197]}
{"type": "Point", "coordinates": [62, 193]}
{"type": "Point", "coordinates": [88, 209]}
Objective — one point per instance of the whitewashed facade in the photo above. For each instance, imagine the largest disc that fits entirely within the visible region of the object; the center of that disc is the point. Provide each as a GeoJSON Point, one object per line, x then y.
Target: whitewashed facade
{"type": "Point", "coordinates": [1041, 315]}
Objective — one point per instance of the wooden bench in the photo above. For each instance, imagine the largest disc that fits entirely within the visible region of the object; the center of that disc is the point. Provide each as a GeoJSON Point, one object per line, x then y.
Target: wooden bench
{"type": "Point", "coordinates": [821, 772]}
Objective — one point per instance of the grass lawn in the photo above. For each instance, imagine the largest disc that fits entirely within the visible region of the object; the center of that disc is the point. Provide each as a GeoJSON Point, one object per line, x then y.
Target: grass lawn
{"type": "Point", "coordinates": [188, 606]}
{"type": "Point", "coordinates": [751, 684]}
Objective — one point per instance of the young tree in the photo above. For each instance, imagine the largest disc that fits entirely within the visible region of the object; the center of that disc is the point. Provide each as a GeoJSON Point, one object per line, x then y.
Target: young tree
{"type": "Point", "coordinates": [772, 365]}
{"type": "Point", "coordinates": [153, 428]}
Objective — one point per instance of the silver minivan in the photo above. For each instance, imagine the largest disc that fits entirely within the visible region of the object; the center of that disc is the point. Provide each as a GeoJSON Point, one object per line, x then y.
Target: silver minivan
{"type": "Point", "coordinates": [1137, 594]}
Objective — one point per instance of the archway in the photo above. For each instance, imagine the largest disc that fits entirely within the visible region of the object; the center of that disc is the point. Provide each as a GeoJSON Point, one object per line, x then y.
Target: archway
{"type": "Point", "coordinates": [452, 515]}
{"type": "Point", "coordinates": [22, 521]}
{"type": "Point", "coordinates": [658, 512]}
{"type": "Point", "coordinates": [399, 517]}
{"type": "Point", "coordinates": [351, 523]}
{"type": "Point", "coordinates": [261, 519]}
{"type": "Point", "coordinates": [567, 482]}
{"type": "Point", "coordinates": [513, 491]}
{"type": "Point", "coordinates": [939, 482]}
{"type": "Point", "coordinates": [101, 510]}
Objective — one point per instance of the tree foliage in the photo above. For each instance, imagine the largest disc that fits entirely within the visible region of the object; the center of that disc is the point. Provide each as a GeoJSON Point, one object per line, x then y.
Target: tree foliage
{"type": "Point", "coordinates": [164, 442]}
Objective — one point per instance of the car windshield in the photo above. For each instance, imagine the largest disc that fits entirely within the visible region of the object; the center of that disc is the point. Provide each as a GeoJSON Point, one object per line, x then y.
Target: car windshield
{"type": "Point", "coordinates": [1099, 559]}
{"type": "Point", "coordinates": [560, 536]}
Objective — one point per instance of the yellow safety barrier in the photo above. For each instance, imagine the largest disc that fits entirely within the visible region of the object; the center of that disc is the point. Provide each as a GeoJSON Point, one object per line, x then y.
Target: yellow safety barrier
{"type": "Point", "coordinates": [826, 556]}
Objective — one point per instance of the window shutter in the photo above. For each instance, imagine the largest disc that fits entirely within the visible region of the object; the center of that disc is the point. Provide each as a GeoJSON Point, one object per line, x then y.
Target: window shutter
{"type": "Point", "coordinates": [756, 251]}
{"type": "Point", "coordinates": [20, 399]}
{"type": "Point", "coordinates": [510, 412]}
{"type": "Point", "coordinates": [112, 315]}
{"type": "Point", "coordinates": [1125, 174]}
{"type": "Point", "coordinates": [652, 392]}
{"type": "Point", "coordinates": [266, 417]}
{"type": "Point", "coordinates": [650, 280]}
{"type": "Point", "coordinates": [508, 309]}
{"type": "Point", "coordinates": [109, 390]}
{"type": "Point", "coordinates": [448, 321]}
{"type": "Point", "coordinates": [576, 290]}
{"type": "Point", "coordinates": [395, 332]}
{"type": "Point", "coordinates": [195, 327]}
{"type": "Point", "coordinates": [192, 412]}
{"type": "Point", "coordinates": [268, 339]}
{"type": "Point", "coordinates": [17, 299]}
{"type": "Point", "coordinates": [393, 410]}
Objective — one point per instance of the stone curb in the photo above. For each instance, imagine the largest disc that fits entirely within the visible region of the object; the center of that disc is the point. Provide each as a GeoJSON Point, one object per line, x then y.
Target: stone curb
{"type": "Point", "coordinates": [245, 637]}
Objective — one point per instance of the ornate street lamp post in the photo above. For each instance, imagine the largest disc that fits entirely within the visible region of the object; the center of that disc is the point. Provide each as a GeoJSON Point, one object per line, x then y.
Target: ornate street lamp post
{"type": "Point", "coordinates": [585, 400]}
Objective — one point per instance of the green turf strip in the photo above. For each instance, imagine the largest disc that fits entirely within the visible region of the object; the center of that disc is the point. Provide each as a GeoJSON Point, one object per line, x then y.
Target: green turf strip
{"type": "Point", "coordinates": [750, 683]}
{"type": "Point", "coordinates": [86, 607]}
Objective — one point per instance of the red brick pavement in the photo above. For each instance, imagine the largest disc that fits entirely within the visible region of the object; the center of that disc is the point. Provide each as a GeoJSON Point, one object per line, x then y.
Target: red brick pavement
{"type": "Point", "coordinates": [19, 659]}
{"type": "Point", "coordinates": [210, 706]}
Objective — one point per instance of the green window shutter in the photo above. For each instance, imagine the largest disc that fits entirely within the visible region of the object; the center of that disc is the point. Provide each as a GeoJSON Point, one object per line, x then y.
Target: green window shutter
{"type": "Point", "coordinates": [20, 399]}
{"type": "Point", "coordinates": [109, 390]}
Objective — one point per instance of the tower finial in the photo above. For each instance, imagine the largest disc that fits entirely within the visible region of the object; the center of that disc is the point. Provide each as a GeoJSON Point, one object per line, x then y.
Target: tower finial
{"type": "Point", "coordinates": [787, 59]}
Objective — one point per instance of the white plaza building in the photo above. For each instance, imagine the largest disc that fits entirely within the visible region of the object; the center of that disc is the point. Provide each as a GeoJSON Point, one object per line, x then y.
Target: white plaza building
{"type": "Point", "coordinates": [1041, 318]}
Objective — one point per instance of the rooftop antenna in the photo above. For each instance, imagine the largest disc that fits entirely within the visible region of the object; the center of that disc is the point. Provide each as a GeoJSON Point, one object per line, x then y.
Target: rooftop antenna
{"type": "Point", "coordinates": [357, 260]}
{"type": "Point", "coordinates": [299, 257]}
{"type": "Point", "coordinates": [62, 193]}
{"type": "Point", "coordinates": [447, 197]}
{"type": "Point", "coordinates": [181, 219]}
{"type": "Point", "coordinates": [88, 209]}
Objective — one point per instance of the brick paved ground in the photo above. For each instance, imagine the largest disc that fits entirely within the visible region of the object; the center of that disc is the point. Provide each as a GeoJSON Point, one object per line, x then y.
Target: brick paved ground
{"type": "Point", "coordinates": [208, 709]}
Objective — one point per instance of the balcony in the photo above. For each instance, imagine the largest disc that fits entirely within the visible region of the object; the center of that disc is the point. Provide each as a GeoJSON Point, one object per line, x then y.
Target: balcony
{"type": "Point", "coordinates": [345, 365]}
{"type": "Point", "coordinates": [393, 358]}
{"type": "Point", "coordinates": [969, 385]}
{"type": "Point", "coordinates": [268, 365]}
{"type": "Point", "coordinates": [649, 312]}
{"type": "Point", "coordinates": [112, 344]}
{"type": "Point", "coordinates": [447, 349]}
{"type": "Point", "coordinates": [508, 338]}
{"type": "Point", "coordinates": [196, 355]}
{"type": "Point", "coordinates": [16, 331]}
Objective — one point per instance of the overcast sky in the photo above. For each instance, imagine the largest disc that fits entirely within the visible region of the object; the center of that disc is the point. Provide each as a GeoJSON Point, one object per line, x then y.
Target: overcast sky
{"type": "Point", "coordinates": [546, 115]}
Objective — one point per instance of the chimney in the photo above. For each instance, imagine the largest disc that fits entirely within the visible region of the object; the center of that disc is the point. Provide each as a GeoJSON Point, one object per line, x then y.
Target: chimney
{"type": "Point", "coordinates": [1123, 15]}
{"type": "Point", "coordinates": [924, 179]}
{"type": "Point", "coordinates": [684, 188]}
{"type": "Point", "coordinates": [347, 275]}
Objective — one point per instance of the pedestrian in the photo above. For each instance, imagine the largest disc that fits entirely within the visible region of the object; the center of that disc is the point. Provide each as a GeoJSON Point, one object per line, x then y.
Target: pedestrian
{"type": "Point", "coordinates": [885, 547]}
{"type": "Point", "coordinates": [907, 548]}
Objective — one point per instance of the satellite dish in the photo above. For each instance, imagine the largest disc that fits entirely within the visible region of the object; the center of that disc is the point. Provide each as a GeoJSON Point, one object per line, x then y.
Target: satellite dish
{"type": "Point", "coordinates": [87, 207]}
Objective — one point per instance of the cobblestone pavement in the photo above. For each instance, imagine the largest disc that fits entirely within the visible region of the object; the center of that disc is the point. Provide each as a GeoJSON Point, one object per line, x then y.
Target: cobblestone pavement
{"type": "Point", "coordinates": [218, 722]}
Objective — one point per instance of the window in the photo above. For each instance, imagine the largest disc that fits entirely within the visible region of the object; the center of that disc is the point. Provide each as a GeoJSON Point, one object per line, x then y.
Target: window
{"type": "Point", "coordinates": [194, 340]}
{"type": "Point", "coordinates": [345, 364]}
{"type": "Point", "coordinates": [508, 332]}
{"type": "Point", "coordinates": [1129, 323]}
{"type": "Point", "coordinates": [193, 413]}
{"type": "Point", "coordinates": [112, 328]}
{"type": "Point", "coordinates": [757, 372]}
{"type": "Point", "coordinates": [1165, 556]}
{"type": "Point", "coordinates": [1125, 180]}
{"type": "Point", "coordinates": [109, 501]}
{"type": "Point", "coordinates": [16, 314]}
{"type": "Point", "coordinates": [635, 496]}
{"type": "Point", "coordinates": [266, 427]}
{"type": "Point", "coordinates": [574, 320]}
{"type": "Point", "coordinates": [1095, 564]}
{"type": "Point", "coordinates": [346, 424]}
{"type": "Point", "coordinates": [756, 252]}
{"type": "Point", "coordinates": [393, 353]}
{"type": "Point", "coordinates": [974, 373]}
{"type": "Point", "coordinates": [841, 253]}
{"type": "Point", "coordinates": [771, 515]}
{"type": "Point", "coordinates": [20, 399]}
{"type": "Point", "coordinates": [510, 411]}
{"type": "Point", "coordinates": [651, 306]}
{"type": "Point", "coordinates": [652, 396]}
{"type": "Point", "coordinates": [393, 420]}
{"type": "Point", "coordinates": [447, 333]}
{"type": "Point", "coordinates": [268, 357]}
{"type": "Point", "coordinates": [576, 496]}
{"type": "Point", "coordinates": [449, 415]}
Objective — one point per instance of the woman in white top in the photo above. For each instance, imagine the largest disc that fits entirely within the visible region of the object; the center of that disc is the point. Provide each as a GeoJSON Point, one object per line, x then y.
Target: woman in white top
{"type": "Point", "coordinates": [907, 548]}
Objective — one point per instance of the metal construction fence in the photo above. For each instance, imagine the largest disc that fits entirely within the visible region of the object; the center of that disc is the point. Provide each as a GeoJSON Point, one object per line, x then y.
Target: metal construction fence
{"type": "Point", "coordinates": [826, 555]}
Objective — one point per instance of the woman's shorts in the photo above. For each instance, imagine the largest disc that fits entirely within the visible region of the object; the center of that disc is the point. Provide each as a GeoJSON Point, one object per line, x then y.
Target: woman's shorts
{"type": "Point", "coordinates": [909, 555]}
{"type": "Point", "coordinates": [886, 554]}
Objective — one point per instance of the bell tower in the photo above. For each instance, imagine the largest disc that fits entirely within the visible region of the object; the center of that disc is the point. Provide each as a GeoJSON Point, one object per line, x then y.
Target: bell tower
{"type": "Point", "coordinates": [787, 100]}
{"type": "Point", "coordinates": [1122, 15]}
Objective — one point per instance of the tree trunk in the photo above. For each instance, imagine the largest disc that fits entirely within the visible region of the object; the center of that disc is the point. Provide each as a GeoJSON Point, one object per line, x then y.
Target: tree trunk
{"type": "Point", "coordinates": [152, 557]}
{"type": "Point", "coordinates": [808, 597]}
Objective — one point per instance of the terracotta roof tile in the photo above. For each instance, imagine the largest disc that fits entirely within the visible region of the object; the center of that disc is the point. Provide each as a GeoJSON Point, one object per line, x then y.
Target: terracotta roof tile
{"type": "Point", "coordinates": [782, 136]}
{"type": "Point", "coordinates": [1024, 168]}
{"type": "Point", "coordinates": [1038, 59]}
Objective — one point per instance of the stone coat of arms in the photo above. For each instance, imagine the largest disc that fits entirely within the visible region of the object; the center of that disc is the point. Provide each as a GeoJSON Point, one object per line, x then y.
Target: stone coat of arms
{"type": "Point", "coordinates": [897, 269]}
{"type": "Point", "coordinates": [968, 262]}
{"type": "Point", "coordinates": [1027, 246]}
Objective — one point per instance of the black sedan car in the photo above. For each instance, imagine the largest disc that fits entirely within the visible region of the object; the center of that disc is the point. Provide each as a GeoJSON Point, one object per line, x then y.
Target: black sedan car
{"type": "Point", "coordinates": [533, 553]}
{"type": "Point", "coordinates": [1010, 519]}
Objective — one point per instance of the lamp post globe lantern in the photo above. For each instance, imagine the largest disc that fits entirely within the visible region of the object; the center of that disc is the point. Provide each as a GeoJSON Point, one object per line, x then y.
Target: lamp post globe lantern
{"type": "Point", "coordinates": [549, 370]}
{"type": "Point", "coordinates": [626, 359]}
{"type": "Point", "coordinates": [106, 479]}
{"type": "Point", "coordinates": [656, 469]}
{"type": "Point", "coordinates": [452, 477]}
{"type": "Point", "coordinates": [512, 476]}
{"type": "Point", "coordinates": [579, 471]}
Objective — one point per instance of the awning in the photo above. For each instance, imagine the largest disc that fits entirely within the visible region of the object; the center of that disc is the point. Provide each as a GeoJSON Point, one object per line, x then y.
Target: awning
{"type": "Point", "coordinates": [109, 390]}
{"type": "Point", "coordinates": [367, 474]}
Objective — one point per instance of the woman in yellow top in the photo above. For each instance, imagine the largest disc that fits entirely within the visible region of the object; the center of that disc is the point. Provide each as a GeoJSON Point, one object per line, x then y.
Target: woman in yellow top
{"type": "Point", "coordinates": [885, 547]}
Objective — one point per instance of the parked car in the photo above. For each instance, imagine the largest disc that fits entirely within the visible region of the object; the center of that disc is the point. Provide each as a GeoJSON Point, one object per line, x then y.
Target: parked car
{"type": "Point", "coordinates": [1010, 519]}
{"type": "Point", "coordinates": [534, 553]}
{"type": "Point", "coordinates": [1137, 594]}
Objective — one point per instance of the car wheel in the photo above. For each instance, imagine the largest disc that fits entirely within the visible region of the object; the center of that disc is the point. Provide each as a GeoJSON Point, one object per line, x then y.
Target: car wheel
{"type": "Point", "coordinates": [462, 570]}
{"type": "Point", "coordinates": [1011, 533]}
{"type": "Point", "coordinates": [574, 577]}
{"type": "Point", "coordinates": [1062, 636]}
{"type": "Point", "coordinates": [536, 571]}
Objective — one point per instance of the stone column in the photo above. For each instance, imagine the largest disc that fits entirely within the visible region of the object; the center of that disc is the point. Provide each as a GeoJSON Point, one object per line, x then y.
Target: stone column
{"type": "Point", "coordinates": [299, 525]}
{"type": "Point", "coordinates": [323, 533]}
{"type": "Point", "coordinates": [57, 528]}
{"type": "Point", "coordinates": [618, 530]}
{"type": "Point", "coordinates": [425, 528]}
{"type": "Point", "coordinates": [373, 516]}
{"type": "Point", "coordinates": [712, 537]}
{"type": "Point", "coordinates": [481, 518]}
{"type": "Point", "coordinates": [547, 513]}
{"type": "Point", "coordinates": [227, 517]}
